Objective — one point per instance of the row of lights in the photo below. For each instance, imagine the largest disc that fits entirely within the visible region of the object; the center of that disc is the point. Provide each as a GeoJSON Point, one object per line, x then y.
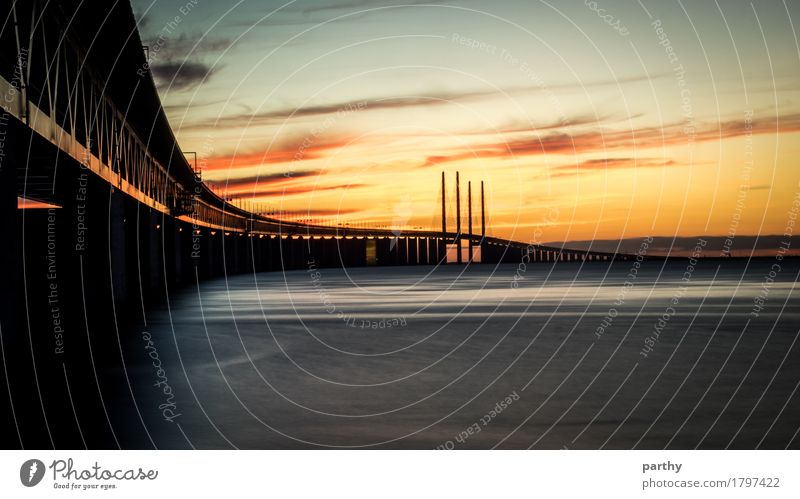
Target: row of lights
{"type": "Point", "coordinates": [273, 236]}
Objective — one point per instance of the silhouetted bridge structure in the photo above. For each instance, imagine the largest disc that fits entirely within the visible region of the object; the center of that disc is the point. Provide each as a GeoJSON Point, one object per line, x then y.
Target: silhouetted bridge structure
{"type": "Point", "coordinates": [123, 216]}
{"type": "Point", "coordinates": [90, 137]}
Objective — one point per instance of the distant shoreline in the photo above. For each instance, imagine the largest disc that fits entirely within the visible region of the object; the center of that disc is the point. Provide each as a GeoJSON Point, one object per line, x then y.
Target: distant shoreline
{"type": "Point", "coordinates": [721, 247]}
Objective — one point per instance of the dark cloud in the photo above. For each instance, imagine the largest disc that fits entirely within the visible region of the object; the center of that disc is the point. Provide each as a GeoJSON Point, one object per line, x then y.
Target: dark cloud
{"type": "Point", "coordinates": [282, 114]}
{"type": "Point", "coordinates": [179, 76]}
{"type": "Point", "coordinates": [193, 104]}
{"type": "Point", "coordinates": [432, 99]}
{"type": "Point", "coordinates": [177, 63]}
{"type": "Point", "coordinates": [142, 20]}
{"type": "Point", "coordinates": [262, 180]}
{"type": "Point", "coordinates": [185, 45]}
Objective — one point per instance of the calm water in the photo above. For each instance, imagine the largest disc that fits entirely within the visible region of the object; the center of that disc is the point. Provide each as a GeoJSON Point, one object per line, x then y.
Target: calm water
{"type": "Point", "coordinates": [421, 357]}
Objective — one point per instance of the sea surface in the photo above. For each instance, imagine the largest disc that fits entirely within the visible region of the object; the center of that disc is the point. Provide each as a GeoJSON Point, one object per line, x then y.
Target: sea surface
{"type": "Point", "coordinates": [625, 355]}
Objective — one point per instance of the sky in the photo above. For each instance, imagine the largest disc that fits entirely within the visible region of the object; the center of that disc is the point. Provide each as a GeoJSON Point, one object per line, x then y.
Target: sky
{"type": "Point", "coordinates": [585, 120]}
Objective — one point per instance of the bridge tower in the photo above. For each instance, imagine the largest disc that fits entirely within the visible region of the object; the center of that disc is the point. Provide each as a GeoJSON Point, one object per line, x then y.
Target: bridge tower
{"type": "Point", "coordinates": [483, 217]}
{"type": "Point", "coordinates": [443, 242]}
{"type": "Point", "coordinates": [458, 220]}
{"type": "Point", "coordinates": [469, 213]}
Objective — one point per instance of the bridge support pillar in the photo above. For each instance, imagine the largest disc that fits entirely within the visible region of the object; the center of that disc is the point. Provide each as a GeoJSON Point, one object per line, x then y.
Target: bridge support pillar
{"type": "Point", "coordinates": [187, 261]}
{"type": "Point", "coordinates": [412, 250]}
{"type": "Point", "coordinates": [233, 253]}
{"type": "Point", "coordinates": [275, 249]}
{"type": "Point", "coordinates": [423, 251]}
{"type": "Point", "coordinates": [118, 241]}
{"type": "Point", "coordinates": [173, 254]}
{"type": "Point", "coordinates": [10, 255]}
{"type": "Point", "coordinates": [402, 251]}
{"type": "Point", "coordinates": [382, 254]}
{"type": "Point", "coordinates": [156, 229]}
{"type": "Point", "coordinates": [246, 253]}
{"type": "Point", "coordinates": [360, 251]}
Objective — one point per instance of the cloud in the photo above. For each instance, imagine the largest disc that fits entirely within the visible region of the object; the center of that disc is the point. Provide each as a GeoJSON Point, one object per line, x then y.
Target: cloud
{"type": "Point", "coordinates": [262, 180]}
{"type": "Point", "coordinates": [361, 4]}
{"type": "Point", "coordinates": [302, 14]}
{"type": "Point", "coordinates": [561, 142]}
{"type": "Point", "coordinates": [294, 150]}
{"type": "Point", "coordinates": [182, 107]}
{"type": "Point", "coordinates": [609, 164]}
{"type": "Point", "coordinates": [433, 99]}
{"type": "Point", "coordinates": [143, 20]}
{"type": "Point", "coordinates": [434, 160]}
{"type": "Point", "coordinates": [290, 191]}
{"type": "Point", "coordinates": [185, 45]}
{"type": "Point", "coordinates": [176, 63]}
{"type": "Point", "coordinates": [602, 140]}
{"type": "Point", "coordinates": [281, 115]}
{"type": "Point", "coordinates": [179, 76]}
{"type": "Point", "coordinates": [575, 121]}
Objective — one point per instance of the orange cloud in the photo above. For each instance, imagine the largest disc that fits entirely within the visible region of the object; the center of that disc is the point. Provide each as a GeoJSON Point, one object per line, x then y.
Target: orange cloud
{"type": "Point", "coordinates": [642, 138]}
{"type": "Point", "coordinates": [609, 164]}
{"type": "Point", "coordinates": [297, 150]}
{"type": "Point", "coordinates": [254, 192]}
{"type": "Point", "coordinates": [255, 180]}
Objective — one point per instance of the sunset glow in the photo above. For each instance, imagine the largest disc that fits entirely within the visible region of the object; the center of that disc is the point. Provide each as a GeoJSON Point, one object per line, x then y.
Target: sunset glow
{"type": "Point", "coordinates": [343, 111]}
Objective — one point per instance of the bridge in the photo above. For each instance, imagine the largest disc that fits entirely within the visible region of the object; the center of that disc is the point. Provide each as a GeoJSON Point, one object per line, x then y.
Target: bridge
{"type": "Point", "coordinates": [104, 213]}
{"type": "Point", "coordinates": [92, 141]}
